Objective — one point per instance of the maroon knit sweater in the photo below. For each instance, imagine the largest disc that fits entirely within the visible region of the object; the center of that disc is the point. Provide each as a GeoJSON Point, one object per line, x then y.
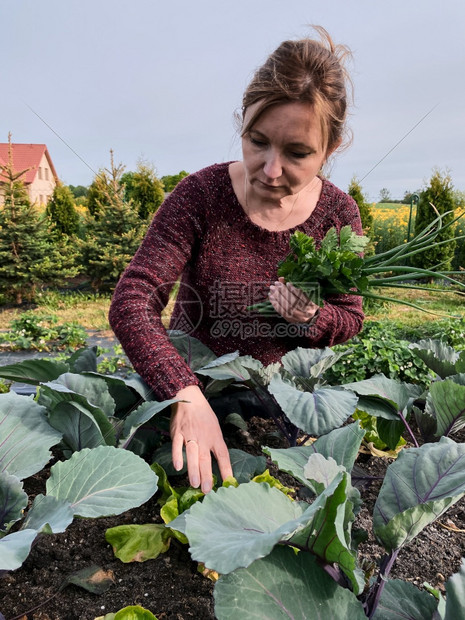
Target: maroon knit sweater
{"type": "Point", "coordinates": [226, 262]}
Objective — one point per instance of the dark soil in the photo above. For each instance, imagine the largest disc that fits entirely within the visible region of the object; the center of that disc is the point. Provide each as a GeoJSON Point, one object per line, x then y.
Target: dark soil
{"type": "Point", "coordinates": [171, 586]}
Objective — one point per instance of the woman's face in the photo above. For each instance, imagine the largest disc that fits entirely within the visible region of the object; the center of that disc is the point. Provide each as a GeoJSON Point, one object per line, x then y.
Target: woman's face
{"type": "Point", "coordinates": [283, 151]}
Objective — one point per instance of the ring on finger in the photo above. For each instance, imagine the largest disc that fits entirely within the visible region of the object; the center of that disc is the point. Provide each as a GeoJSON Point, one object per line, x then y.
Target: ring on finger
{"type": "Point", "coordinates": [189, 440]}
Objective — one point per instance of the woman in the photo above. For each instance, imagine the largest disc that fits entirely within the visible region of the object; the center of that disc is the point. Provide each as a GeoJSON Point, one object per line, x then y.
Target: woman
{"type": "Point", "coordinates": [224, 230]}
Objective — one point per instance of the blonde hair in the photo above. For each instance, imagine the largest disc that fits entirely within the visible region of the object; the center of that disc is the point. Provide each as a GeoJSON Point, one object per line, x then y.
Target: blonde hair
{"type": "Point", "coordinates": [307, 71]}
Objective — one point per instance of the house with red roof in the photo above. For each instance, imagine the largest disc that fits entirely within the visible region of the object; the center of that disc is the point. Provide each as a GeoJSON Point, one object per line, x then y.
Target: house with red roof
{"type": "Point", "coordinates": [40, 178]}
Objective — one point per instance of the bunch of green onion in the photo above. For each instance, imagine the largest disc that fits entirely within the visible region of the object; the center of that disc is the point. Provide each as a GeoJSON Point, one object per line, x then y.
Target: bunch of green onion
{"type": "Point", "coordinates": [338, 266]}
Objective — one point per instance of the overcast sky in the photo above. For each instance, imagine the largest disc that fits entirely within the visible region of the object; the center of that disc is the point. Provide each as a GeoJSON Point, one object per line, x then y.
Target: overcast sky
{"type": "Point", "coordinates": [160, 80]}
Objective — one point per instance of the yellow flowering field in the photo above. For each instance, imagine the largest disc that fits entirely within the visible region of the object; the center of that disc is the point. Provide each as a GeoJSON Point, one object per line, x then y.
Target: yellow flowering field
{"type": "Point", "coordinates": [390, 224]}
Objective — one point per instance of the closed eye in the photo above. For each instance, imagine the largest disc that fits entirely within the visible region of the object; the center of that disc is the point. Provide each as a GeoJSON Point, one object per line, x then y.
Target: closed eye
{"type": "Point", "coordinates": [300, 155]}
{"type": "Point", "coordinates": [257, 142]}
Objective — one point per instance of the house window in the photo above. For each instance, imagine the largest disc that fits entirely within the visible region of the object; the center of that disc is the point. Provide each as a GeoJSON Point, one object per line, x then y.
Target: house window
{"type": "Point", "coordinates": [46, 173]}
{"type": "Point", "coordinates": [40, 173]}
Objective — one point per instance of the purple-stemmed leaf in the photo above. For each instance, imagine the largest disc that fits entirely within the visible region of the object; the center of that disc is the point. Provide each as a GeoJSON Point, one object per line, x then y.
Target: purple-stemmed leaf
{"type": "Point", "coordinates": [284, 585]}
{"type": "Point", "coordinates": [418, 487]}
{"type": "Point", "coordinates": [231, 367]}
{"type": "Point", "coordinates": [447, 400]}
{"type": "Point", "coordinates": [342, 445]}
{"type": "Point", "coordinates": [309, 362]}
{"type": "Point", "coordinates": [192, 350]}
{"type": "Point", "coordinates": [382, 397]}
{"type": "Point", "coordinates": [317, 412]}
{"type": "Point", "coordinates": [401, 600]}
{"type": "Point", "coordinates": [438, 356]}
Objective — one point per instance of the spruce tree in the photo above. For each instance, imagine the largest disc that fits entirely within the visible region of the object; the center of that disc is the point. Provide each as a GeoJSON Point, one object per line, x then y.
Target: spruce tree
{"type": "Point", "coordinates": [28, 254]}
{"type": "Point", "coordinates": [144, 189]}
{"type": "Point", "coordinates": [113, 233]}
{"type": "Point", "coordinates": [62, 212]}
{"type": "Point", "coordinates": [355, 191]}
{"type": "Point", "coordinates": [436, 198]}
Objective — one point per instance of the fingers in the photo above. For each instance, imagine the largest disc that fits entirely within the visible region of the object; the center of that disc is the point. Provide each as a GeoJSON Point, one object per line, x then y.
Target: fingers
{"type": "Point", "coordinates": [291, 302]}
{"type": "Point", "coordinates": [195, 426]}
{"type": "Point", "coordinates": [224, 462]}
{"type": "Point", "coordinates": [192, 457]}
{"type": "Point", "coordinates": [176, 450]}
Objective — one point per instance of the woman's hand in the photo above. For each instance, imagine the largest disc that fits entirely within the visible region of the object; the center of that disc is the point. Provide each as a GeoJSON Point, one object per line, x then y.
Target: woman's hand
{"type": "Point", "coordinates": [291, 302]}
{"type": "Point", "coordinates": [195, 425]}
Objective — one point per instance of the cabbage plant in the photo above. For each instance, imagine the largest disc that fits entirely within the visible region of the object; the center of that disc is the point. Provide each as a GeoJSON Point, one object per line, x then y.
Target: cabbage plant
{"type": "Point", "coordinates": [280, 558]}
{"type": "Point", "coordinates": [77, 410]}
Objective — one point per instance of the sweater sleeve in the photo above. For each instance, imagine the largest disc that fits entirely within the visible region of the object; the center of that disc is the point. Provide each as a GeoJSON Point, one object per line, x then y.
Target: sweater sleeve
{"type": "Point", "coordinates": [143, 291]}
{"type": "Point", "coordinates": [341, 316]}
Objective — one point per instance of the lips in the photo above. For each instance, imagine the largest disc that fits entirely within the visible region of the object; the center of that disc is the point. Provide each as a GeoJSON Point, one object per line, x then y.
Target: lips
{"type": "Point", "coordinates": [270, 187]}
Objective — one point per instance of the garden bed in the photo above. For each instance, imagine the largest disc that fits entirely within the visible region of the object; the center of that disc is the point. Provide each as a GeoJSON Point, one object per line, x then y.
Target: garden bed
{"type": "Point", "coordinates": [171, 586]}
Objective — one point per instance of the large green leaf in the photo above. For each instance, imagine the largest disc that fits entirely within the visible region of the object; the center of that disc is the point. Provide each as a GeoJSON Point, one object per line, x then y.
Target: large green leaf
{"type": "Point", "coordinates": [13, 500]}
{"type": "Point", "coordinates": [315, 412]}
{"type": "Point", "coordinates": [141, 415]}
{"type": "Point", "coordinates": [94, 389]}
{"type": "Point", "coordinates": [102, 481]}
{"type": "Point", "coordinates": [301, 361]}
{"type": "Point", "coordinates": [234, 367]}
{"type": "Point", "coordinates": [89, 394]}
{"type": "Point", "coordinates": [48, 514]}
{"type": "Point", "coordinates": [138, 543]}
{"type": "Point", "coordinates": [328, 535]}
{"type": "Point", "coordinates": [383, 397]}
{"type": "Point", "coordinates": [245, 466]}
{"type": "Point", "coordinates": [341, 444]}
{"type": "Point", "coordinates": [448, 401]}
{"type": "Point", "coordinates": [33, 371]}
{"type": "Point", "coordinates": [401, 600]}
{"type": "Point", "coordinates": [192, 350]}
{"type": "Point", "coordinates": [455, 595]}
{"type": "Point", "coordinates": [437, 355]}
{"type": "Point", "coordinates": [127, 393]}
{"type": "Point", "coordinates": [310, 363]}
{"type": "Point", "coordinates": [26, 436]}
{"type": "Point", "coordinates": [284, 585]}
{"type": "Point", "coordinates": [418, 487]}
{"type": "Point", "coordinates": [83, 360]}
{"type": "Point", "coordinates": [78, 426]}
{"type": "Point", "coordinates": [14, 548]}
{"type": "Point", "coordinates": [235, 526]}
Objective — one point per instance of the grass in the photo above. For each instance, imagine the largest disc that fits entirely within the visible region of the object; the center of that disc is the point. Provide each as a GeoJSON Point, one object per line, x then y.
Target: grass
{"type": "Point", "coordinates": [91, 311]}
{"type": "Point", "coordinates": [449, 304]}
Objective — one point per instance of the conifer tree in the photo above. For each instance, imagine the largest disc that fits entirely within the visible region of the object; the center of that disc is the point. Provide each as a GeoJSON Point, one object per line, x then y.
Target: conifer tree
{"type": "Point", "coordinates": [62, 212]}
{"type": "Point", "coordinates": [355, 191]}
{"type": "Point", "coordinates": [28, 255]}
{"type": "Point", "coordinates": [436, 198]}
{"type": "Point", "coordinates": [113, 233]}
{"type": "Point", "coordinates": [144, 189]}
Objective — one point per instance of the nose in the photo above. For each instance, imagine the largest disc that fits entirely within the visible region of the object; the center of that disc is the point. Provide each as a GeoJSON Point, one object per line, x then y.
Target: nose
{"type": "Point", "coordinates": [272, 166]}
